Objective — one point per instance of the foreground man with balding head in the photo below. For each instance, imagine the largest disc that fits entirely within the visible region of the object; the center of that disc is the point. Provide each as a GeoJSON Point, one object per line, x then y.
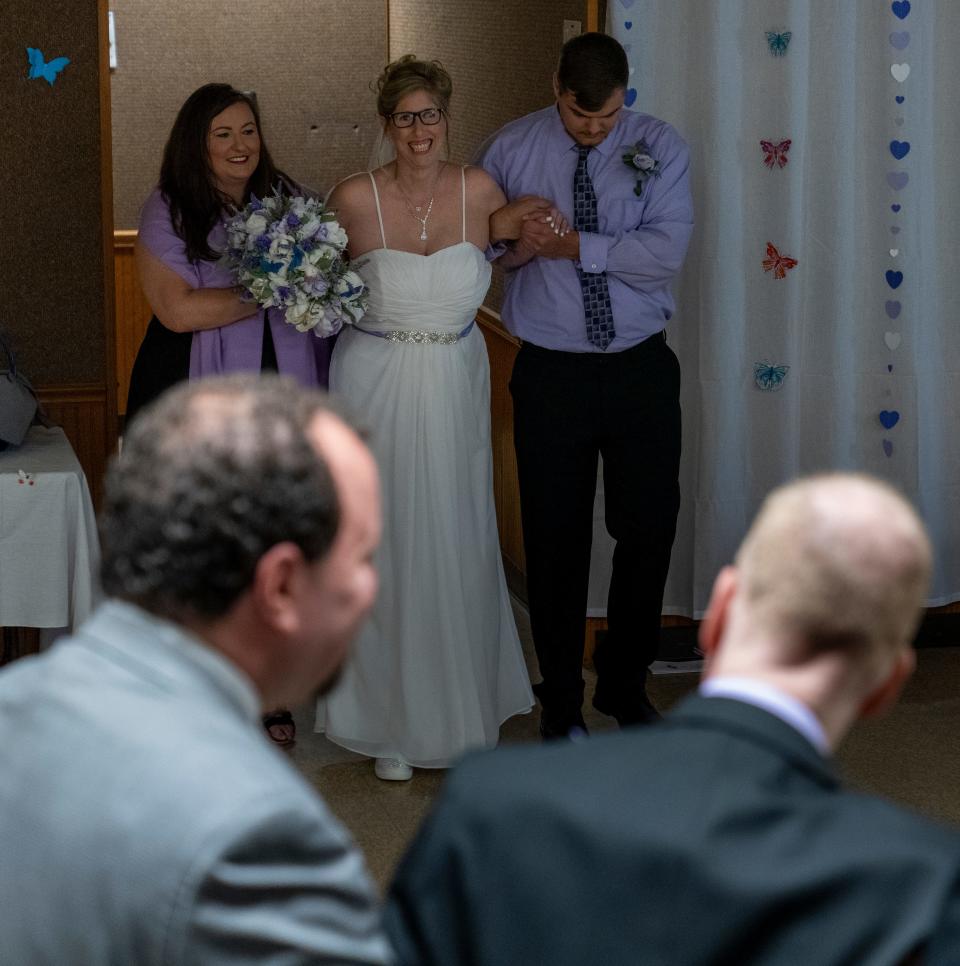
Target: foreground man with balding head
{"type": "Point", "coordinates": [722, 835]}
{"type": "Point", "coordinates": [144, 816]}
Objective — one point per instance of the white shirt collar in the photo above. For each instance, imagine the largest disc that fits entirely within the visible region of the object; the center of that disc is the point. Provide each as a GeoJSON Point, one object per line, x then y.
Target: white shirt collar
{"type": "Point", "coordinates": [765, 696]}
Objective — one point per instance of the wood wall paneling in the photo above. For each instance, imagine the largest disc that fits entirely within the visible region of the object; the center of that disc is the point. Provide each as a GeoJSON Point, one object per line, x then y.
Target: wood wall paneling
{"type": "Point", "coordinates": [82, 412]}
{"type": "Point", "coordinates": [133, 311]}
{"type": "Point", "coordinates": [106, 228]}
{"type": "Point", "coordinates": [502, 349]}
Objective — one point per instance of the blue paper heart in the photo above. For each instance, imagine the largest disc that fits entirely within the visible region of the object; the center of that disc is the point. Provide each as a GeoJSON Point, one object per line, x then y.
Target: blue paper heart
{"type": "Point", "coordinates": [889, 418]}
{"type": "Point", "coordinates": [898, 179]}
{"type": "Point", "coordinates": [894, 230]}
{"type": "Point", "coordinates": [630, 96]}
{"type": "Point", "coordinates": [893, 309]}
{"type": "Point", "coordinates": [894, 278]}
{"type": "Point", "coordinates": [887, 448]}
{"type": "Point", "coordinates": [895, 208]}
{"type": "Point", "coordinates": [900, 8]}
{"type": "Point", "coordinates": [900, 40]}
{"type": "Point", "coordinates": [899, 149]}
{"type": "Point", "coordinates": [899, 98]}
{"type": "Point", "coordinates": [889, 368]}
{"type": "Point", "coordinates": [628, 24]}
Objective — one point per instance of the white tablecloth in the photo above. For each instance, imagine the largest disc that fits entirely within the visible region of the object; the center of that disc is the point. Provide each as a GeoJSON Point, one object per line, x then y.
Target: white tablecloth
{"type": "Point", "coordinates": [49, 552]}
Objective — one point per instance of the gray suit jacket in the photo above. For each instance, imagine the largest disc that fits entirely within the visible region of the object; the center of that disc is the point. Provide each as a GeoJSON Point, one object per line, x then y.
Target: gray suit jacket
{"type": "Point", "coordinates": [145, 818]}
{"type": "Point", "coordinates": [717, 837]}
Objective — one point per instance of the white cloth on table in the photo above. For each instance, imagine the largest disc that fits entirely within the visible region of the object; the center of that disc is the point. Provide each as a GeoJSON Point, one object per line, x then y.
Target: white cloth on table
{"type": "Point", "coordinates": [49, 551]}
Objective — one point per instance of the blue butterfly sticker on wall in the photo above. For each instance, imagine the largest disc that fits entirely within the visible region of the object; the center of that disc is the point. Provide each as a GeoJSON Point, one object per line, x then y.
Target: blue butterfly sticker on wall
{"type": "Point", "coordinates": [768, 377]}
{"type": "Point", "coordinates": [778, 42]}
{"type": "Point", "coordinates": [48, 70]}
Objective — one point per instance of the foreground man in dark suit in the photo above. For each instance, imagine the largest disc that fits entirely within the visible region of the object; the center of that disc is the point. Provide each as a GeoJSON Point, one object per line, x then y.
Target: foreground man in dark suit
{"type": "Point", "coordinates": [722, 835]}
{"type": "Point", "coordinates": [145, 817]}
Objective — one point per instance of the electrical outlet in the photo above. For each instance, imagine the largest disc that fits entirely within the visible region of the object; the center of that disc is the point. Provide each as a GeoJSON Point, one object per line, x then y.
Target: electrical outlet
{"type": "Point", "coordinates": [571, 28]}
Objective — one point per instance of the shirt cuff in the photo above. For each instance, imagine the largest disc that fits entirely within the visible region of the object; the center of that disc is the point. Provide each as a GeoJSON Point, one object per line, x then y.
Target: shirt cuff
{"type": "Point", "coordinates": [593, 252]}
{"type": "Point", "coordinates": [494, 251]}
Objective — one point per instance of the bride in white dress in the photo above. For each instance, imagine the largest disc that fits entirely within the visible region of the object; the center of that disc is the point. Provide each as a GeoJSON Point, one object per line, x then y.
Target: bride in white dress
{"type": "Point", "coordinates": [439, 666]}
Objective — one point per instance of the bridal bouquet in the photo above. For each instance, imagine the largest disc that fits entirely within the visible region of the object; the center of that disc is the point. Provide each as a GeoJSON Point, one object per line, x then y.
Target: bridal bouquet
{"type": "Point", "coordinates": [289, 253]}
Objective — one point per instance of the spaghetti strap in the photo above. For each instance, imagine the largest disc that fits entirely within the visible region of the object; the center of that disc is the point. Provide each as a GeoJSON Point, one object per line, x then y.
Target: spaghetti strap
{"type": "Point", "coordinates": [376, 198]}
{"type": "Point", "coordinates": [463, 201]}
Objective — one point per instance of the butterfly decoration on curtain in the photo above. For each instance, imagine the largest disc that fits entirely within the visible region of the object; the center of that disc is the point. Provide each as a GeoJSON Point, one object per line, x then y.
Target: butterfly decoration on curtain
{"type": "Point", "coordinates": [775, 154]}
{"type": "Point", "coordinates": [769, 377]}
{"type": "Point", "coordinates": [777, 263]}
{"type": "Point", "coordinates": [39, 67]}
{"type": "Point", "coordinates": [778, 42]}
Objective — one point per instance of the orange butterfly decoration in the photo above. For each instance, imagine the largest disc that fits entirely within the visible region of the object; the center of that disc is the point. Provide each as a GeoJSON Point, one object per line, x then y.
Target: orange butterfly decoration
{"type": "Point", "coordinates": [777, 263]}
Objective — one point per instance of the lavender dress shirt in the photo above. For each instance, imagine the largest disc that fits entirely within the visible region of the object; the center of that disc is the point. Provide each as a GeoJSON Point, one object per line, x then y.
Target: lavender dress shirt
{"type": "Point", "coordinates": [641, 243]}
{"type": "Point", "coordinates": [236, 347]}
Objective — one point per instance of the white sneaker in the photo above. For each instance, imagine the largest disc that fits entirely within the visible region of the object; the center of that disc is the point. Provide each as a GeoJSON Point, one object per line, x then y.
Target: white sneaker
{"type": "Point", "coordinates": [393, 770]}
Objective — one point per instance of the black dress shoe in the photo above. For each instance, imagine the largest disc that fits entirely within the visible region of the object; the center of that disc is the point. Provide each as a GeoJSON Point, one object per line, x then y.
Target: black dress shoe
{"type": "Point", "coordinates": [565, 729]}
{"type": "Point", "coordinates": [638, 710]}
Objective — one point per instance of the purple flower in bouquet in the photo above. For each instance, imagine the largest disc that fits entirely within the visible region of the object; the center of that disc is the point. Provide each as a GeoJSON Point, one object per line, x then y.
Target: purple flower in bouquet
{"type": "Point", "coordinates": [289, 252]}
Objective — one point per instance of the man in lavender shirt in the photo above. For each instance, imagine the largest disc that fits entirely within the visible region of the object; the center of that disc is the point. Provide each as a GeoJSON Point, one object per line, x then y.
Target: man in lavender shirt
{"type": "Point", "coordinates": [594, 376]}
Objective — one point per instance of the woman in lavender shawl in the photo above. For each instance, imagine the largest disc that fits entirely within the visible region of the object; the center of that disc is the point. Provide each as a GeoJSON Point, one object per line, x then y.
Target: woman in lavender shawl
{"type": "Point", "coordinates": [214, 160]}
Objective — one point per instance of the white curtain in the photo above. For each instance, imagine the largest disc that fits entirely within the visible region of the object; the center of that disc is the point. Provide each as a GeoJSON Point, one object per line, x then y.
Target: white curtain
{"type": "Point", "coordinates": [867, 373]}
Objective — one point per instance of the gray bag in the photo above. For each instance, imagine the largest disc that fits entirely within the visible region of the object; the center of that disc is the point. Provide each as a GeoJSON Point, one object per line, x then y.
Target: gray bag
{"type": "Point", "coordinates": [18, 402]}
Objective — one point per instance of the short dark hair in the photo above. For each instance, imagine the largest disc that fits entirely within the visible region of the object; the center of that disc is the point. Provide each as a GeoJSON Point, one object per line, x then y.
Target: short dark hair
{"type": "Point", "coordinates": [592, 66]}
{"type": "Point", "coordinates": [185, 177]}
{"type": "Point", "coordinates": [212, 475]}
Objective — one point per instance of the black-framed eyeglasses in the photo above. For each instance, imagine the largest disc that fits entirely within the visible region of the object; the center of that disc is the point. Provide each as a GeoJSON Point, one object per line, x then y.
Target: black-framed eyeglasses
{"type": "Point", "coordinates": [430, 116]}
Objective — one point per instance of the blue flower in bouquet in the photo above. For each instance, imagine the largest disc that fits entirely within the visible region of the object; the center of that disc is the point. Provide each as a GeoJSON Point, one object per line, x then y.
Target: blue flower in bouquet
{"type": "Point", "coordinates": [289, 252]}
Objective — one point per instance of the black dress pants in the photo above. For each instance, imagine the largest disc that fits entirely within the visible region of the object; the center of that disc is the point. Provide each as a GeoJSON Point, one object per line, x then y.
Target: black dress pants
{"type": "Point", "coordinates": [569, 408]}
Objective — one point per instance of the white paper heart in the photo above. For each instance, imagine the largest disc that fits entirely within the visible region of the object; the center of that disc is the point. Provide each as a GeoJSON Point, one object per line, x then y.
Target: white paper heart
{"type": "Point", "coordinates": [894, 252]}
{"type": "Point", "coordinates": [892, 339]}
{"type": "Point", "coordinates": [900, 72]}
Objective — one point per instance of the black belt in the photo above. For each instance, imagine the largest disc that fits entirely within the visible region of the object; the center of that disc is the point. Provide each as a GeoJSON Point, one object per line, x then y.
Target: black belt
{"type": "Point", "coordinates": [652, 343]}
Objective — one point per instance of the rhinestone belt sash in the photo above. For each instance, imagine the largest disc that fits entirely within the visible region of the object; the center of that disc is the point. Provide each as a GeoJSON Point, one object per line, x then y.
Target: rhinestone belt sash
{"type": "Point", "coordinates": [418, 336]}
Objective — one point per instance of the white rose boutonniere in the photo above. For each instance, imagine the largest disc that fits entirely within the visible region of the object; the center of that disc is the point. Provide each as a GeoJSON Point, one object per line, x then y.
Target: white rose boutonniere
{"type": "Point", "coordinates": [638, 157]}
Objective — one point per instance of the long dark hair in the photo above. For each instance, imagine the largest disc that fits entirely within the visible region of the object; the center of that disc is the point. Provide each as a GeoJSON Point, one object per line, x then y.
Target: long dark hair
{"type": "Point", "coordinates": [185, 178]}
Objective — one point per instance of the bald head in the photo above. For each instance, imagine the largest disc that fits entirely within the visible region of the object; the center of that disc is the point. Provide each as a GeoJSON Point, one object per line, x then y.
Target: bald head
{"type": "Point", "coordinates": [834, 563]}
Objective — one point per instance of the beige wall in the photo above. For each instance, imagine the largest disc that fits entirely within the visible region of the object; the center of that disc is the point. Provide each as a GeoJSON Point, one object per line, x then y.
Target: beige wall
{"type": "Point", "coordinates": [310, 62]}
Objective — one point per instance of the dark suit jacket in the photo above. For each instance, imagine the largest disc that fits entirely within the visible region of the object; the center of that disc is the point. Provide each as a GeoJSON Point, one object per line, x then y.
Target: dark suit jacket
{"type": "Point", "coordinates": [717, 837]}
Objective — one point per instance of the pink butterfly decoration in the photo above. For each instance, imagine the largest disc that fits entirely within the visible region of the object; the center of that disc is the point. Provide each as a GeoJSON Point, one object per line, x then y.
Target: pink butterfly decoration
{"type": "Point", "coordinates": [777, 263]}
{"type": "Point", "coordinates": [776, 154]}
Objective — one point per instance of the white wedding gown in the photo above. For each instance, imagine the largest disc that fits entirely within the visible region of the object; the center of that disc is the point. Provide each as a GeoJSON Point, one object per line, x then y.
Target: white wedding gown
{"type": "Point", "coordinates": [438, 667]}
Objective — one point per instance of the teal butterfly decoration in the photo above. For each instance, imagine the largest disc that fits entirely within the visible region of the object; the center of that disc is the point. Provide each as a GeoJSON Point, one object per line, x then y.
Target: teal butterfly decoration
{"type": "Point", "coordinates": [48, 70]}
{"type": "Point", "coordinates": [769, 377]}
{"type": "Point", "coordinates": [778, 42]}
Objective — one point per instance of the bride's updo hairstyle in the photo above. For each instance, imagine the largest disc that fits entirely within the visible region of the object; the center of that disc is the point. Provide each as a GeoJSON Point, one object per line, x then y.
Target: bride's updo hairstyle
{"type": "Point", "coordinates": [408, 75]}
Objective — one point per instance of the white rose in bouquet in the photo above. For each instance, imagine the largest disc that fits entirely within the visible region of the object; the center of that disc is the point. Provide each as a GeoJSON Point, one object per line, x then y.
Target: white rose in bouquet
{"type": "Point", "coordinates": [289, 252]}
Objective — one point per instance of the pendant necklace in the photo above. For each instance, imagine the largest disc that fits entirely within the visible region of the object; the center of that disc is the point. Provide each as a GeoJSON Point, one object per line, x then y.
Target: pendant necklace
{"type": "Point", "coordinates": [416, 209]}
